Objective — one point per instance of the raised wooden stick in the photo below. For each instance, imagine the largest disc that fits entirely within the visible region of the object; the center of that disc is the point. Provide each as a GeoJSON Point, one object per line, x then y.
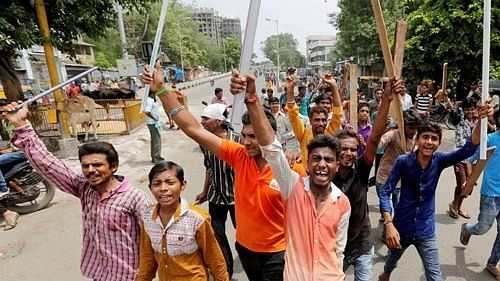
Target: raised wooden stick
{"type": "Point", "coordinates": [396, 110]}
{"type": "Point", "coordinates": [389, 64]}
{"type": "Point", "coordinates": [476, 172]}
{"type": "Point", "coordinates": [444, 82]}
{"type": "Point", "coordinates": [353, 97]}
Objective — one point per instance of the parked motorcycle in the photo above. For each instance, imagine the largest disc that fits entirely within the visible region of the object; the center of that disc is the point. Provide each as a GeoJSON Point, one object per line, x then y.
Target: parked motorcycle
{"type": "Point", "coordinates": [29, 192]}
{"type": "Point", "coordinates": [440, 114]}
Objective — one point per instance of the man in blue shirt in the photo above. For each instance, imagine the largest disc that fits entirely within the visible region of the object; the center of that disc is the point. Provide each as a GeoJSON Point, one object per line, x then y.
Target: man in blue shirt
{"type": "Point", "coordinates": [489, 206]}
{"type": "Point", "coordinates": [414, 216]}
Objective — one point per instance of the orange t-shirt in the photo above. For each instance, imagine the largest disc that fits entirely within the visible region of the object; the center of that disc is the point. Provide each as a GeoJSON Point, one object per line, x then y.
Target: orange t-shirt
{"type": "Point", "coordinates": [260, 211]}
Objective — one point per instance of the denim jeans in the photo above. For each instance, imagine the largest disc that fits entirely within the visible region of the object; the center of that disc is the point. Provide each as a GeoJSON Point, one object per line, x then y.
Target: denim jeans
{"type": "Point", "coordinates": [362, 264]}
{"type": "Point", "coordinates": [261, 266]}
{"type": "Point", "coordinates": [218, 213]}
{"type": "Point", "coordinates": [8, 159]}
{"type": "Point", "coordinates": [489, 210]}
{"type": "Point", "coordinates": [395, 194]}
{"type": "Point", "coordinates": [428, 251]}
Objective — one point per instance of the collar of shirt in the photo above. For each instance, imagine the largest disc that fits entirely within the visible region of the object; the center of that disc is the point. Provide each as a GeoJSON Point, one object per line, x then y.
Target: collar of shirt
{"type": "Point", "coordinates": [182, 208]}
{"type": "Point", "coordinates": [334, 193]}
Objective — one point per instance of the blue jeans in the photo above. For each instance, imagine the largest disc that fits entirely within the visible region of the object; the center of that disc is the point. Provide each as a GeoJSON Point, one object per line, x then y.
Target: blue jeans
{"type": "Point", "coordinates": [489, 210]}
{"type": "Point", "coordinates": [8, 159]}
{"type": "Point", "coordinates": [428, 251]}
{"type": "Point", "coordinates": [395, 194]}
{"type": "Point", "coordinates": [363, 266]}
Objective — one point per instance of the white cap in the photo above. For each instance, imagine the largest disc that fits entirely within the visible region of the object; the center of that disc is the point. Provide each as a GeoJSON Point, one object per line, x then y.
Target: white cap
{"type": "Point", "coordinates": [214, 111]}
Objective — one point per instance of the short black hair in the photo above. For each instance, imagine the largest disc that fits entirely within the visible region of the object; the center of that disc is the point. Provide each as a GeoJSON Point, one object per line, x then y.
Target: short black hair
{"type": "Point", "coordinates": [316, 110]}
{"type": "Point", "coordinates": [363, 104]}
{"type": "Point", "coordinates": [321, 97]}
{"type": "Point", "coordinates": [273, 99]}
{"type": "Point", "coordinates": [468, 103]}
{"type": "Point", "coordinates": [163, 166]}
{"type": "Point", "coordinates": [430, 127]}
{"type": "Point", "coordinates": [99, 147]}
{"type": "Point", "coordinates": [411, 118]}
{"type": "Point", "coordinates": [217, 90]}
{"type": "Point", "coordinates": [323, 140]}
{"type": "Point", "coordinates": [263, 90]}
{"type": "Point", "coordinates": [270, 90]}
{"type": "Point", "coordinates": [344, 134]}
{"type": "Point", "coordinates": [245, 119]}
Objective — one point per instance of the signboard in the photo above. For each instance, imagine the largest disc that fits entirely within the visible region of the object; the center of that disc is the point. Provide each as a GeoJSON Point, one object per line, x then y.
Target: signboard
{"type": "Point", "coordinates": [126, 67]}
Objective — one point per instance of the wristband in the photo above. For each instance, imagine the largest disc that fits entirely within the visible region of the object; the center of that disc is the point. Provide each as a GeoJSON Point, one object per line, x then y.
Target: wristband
{"type": "Point", "coordinates": [163, 91]}
{"type": "Point", "coordinates": [387, 222]}
{"type": "Point", "coordinates": [176, 110]}
{"type": "Point", "coordinates": [251, 99]}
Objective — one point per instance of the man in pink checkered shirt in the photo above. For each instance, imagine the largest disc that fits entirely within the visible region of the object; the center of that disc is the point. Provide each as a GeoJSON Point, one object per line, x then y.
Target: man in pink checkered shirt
{"type": "Point", "coordinates": [111, 206]}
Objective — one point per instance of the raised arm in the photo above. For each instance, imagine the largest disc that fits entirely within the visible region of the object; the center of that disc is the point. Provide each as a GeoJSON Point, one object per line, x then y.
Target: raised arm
{"type": "Point", "coordinates": [49, 166]}
{"type": "Point", "coordinates": [484, 110]}
{"type": "Point", "coordinates": [394, 85]}
{"type": "Point", "coordinates": [184, 119]}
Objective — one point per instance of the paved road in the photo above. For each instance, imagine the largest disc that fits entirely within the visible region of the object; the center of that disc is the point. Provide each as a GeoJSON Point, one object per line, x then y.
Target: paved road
{"type": "Point", "coordinates": [46, 244]}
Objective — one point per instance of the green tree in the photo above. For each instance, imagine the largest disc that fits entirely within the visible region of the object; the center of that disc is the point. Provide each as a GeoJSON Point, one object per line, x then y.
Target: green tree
{"type": "Point", "coordinates": [107, 48]}
{"type": "Point", "coordinates": [357, 34]}
{"type": "Point", "coordinates": [450, 31]}
{"type": "Point", "coordinates": [232, 47]}
{"type": "Point", "coordinates": [289, 55]}
{"type": "Point", "coordinates": [66, 18]}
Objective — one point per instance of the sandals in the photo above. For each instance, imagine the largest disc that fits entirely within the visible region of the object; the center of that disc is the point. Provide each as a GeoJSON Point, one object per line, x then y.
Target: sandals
{"type": "Point", "coordinates": [10, 224]}
{"type": "Point", "coordinates": [463, 214]}
{"type": "Point", "coordinates": [452, 212]}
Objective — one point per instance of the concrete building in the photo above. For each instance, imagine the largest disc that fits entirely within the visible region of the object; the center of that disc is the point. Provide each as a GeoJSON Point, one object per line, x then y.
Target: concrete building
{"type": "Point", "coordinates": [215, 27]}
{"type": "Point", "coordinates": [317, 48]}
{"type": "Point", "coordinates": [32, 69]}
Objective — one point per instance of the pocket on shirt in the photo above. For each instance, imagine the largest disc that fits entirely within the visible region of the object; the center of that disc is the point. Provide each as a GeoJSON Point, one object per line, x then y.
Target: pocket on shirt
{"type": "Point", "coordinates": [181, 244]}
{"type": "Point", "coordinates": [117, 220]}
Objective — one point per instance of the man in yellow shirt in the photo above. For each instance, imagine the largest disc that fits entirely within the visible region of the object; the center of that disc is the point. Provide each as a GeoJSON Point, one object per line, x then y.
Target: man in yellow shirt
{"type": "Point", "coordinates": [318, 117]}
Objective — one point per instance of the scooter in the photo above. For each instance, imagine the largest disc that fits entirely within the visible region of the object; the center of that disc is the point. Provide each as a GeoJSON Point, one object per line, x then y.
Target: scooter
{"type": "Point", "coordinates": [440, 114]}
{"type": "Point", "coordinates": [29, 191]}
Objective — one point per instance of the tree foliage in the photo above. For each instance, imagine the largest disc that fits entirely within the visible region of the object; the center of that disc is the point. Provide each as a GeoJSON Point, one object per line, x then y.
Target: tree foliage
{"type": "Point", "coordinates": [450, 31]}
{"type": "Point", "coordinates": [66, 18]}
{"type": "Point", "coordinates": [288, 53]}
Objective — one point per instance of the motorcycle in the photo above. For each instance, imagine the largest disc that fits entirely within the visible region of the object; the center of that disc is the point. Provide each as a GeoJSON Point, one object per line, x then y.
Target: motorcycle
{"type": "Point", "coordinates": [29, 191]}
{"type": "Point", "coordinates": [440, 114]}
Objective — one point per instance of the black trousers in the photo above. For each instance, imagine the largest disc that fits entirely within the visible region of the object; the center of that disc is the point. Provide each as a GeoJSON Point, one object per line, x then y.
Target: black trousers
{"type": "Point", "coordinates": [2, 209]}
{"type": "Point", "coordinates": [261, 266]}
{"type": "Point", "coordinates": [218, 214]}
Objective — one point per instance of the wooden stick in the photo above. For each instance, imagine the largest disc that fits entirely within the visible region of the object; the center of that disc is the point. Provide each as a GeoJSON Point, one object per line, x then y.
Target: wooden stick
{"type": "Point", "coordinates": [444, 82]}
{"type": "Point", "coordinates": [353, 97]}
{"type": "Point", "coordinates": [396, 110]}
{"type": "Point", "coordinates": [476, 172]}
{"type": "Point", "coordinates": [382, 35]}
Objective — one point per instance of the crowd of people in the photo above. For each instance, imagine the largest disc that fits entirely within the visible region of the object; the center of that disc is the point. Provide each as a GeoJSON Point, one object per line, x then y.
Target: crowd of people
{"type": "Point", "coordinates": [294, 182]}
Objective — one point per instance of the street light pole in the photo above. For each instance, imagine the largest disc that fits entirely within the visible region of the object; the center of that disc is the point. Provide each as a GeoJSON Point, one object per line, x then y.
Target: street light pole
{"type": "Point", "coordinates": [224, 48]}
{"type": "Point", "coordinates": [277, 51]}
{"type": "Point", "coordinates": [180, 46]}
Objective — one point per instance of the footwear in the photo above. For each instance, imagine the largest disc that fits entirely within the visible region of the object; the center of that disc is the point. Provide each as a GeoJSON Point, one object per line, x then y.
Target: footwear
{"type": "Point", "coordinates": [464, 235]}
{"type": "Point", "coordinates": [493, 270]}
{"type": "Point", "coordinates": [452, 212]}
{"type": "Point", "coordinates": [3, 193]}
{"type": "Point", "coordinates": [10, 224]}
{"type": "Point", "coordinates": [463, 214]}
{"type": "Point", "coordinates": [384, 277]}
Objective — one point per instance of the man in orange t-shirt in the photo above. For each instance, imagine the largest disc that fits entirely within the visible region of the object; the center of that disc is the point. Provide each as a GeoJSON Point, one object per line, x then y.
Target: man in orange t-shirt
{"type": "Point", "coordinates": [260, 235]}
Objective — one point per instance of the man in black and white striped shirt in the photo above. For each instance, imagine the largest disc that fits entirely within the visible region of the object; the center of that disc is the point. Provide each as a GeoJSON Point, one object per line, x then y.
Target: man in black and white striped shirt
{"type": "Point", "coordinates": [423, 100]}
{"type": "Point", "coordinates": [219, 179]}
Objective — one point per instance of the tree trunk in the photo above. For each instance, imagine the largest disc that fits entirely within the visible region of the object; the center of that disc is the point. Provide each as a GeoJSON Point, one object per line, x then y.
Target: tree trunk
{"type": "Point", "coordinates": [8, 77]}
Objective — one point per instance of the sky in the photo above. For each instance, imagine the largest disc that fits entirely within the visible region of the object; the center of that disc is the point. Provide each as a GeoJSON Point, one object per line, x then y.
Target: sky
{"type": "Point", "coordinates": [301, 18]}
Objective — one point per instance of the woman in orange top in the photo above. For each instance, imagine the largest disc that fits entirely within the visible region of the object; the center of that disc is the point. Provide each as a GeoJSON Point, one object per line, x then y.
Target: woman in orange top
{"type": "Point", "coordinates": [177, 240]}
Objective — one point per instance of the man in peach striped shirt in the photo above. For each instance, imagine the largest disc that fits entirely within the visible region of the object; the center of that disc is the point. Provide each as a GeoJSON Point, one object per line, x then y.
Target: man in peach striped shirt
{"type": "Point", "coordinates": [317, 212]}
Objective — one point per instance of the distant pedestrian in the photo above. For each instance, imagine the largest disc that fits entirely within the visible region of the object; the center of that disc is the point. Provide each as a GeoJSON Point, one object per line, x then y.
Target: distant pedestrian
{"type": "Point", "coordinates": [423, 100]}
{"type": "Point", "coordinates": [219, 97]}
{"type": "Point", "coordinates": [152, 111]}
{"type": "Point", "coordinates": [177, 241]}
{"type": "Point", "coordinates": [111, 206]}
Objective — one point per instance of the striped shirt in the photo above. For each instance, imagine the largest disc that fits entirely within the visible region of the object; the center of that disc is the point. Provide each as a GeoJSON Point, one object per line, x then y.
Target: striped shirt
{"type": "Point", "coordinates": [423, 102]}
{"type": "Point", "coordinates": [221, 187]}
{"type": "Point", "coordinates": [111, 225]}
